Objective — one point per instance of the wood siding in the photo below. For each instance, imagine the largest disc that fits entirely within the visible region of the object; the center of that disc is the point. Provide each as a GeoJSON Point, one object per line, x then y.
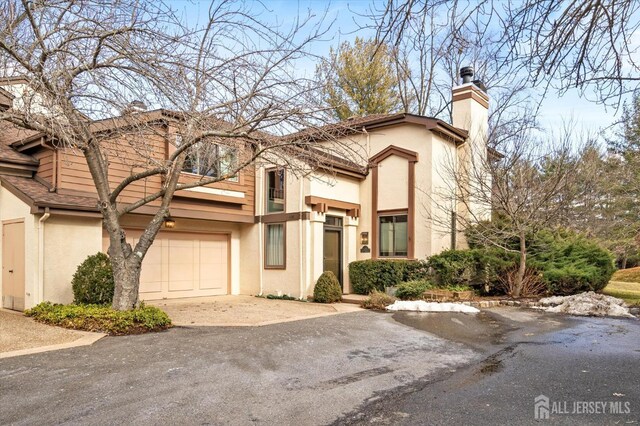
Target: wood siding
{"type": "Point", "coordinates": [45, 168]}
{"type": "Point", "coordinates": [74, 177]}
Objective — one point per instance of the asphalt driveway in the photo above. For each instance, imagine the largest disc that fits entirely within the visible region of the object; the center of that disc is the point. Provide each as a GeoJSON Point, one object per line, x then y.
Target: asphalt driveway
{"type": "Point", "coordinates": [304, 372]}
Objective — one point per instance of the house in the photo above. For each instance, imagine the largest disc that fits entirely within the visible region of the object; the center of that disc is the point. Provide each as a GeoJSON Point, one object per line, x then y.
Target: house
{"type": "Point", "coordinates": [265, 231]}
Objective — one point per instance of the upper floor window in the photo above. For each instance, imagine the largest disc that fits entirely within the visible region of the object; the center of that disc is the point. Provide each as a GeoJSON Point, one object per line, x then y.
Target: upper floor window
{"type": "Point", "coordinates": [275, 191]}
{"type": "Point", "coordinates": [209, 159]}
{"type": "Point", "coordinates": [393, 236]}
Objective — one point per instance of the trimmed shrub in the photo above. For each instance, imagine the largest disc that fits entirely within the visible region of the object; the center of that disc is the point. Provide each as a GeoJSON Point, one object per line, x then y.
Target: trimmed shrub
{"type": "Point", "coordinates": [369, 275]}
{"type": "Point", "coordinates": [453, 267]}
{"type": "Point", "coordinates": [378, 300]}
{"type": "Point", "coordinates": [327, 289]}
{"type": "Point", "coordinates": [93, 281]}
{"type": "Point", "coordinates": [102, 319]}
{"type": "Point", "coordinates": [412, 290]}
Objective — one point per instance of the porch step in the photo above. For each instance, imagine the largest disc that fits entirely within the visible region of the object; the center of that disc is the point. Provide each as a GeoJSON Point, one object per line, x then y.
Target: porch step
{"type": "Point", "coordinates": [356, 299]}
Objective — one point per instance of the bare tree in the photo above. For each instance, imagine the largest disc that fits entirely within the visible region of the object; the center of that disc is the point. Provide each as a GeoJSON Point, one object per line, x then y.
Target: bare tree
{"type": "Point", "coordinates": [230, 83]}
{"type": "Point", "coordinates": [520, 189]}
{"type": "Point", "coordinates": [564, 44]}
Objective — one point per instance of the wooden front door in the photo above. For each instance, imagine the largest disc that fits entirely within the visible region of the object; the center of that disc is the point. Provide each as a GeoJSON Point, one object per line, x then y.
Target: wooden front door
{"type": "Point", "coordinates": [13, 265]}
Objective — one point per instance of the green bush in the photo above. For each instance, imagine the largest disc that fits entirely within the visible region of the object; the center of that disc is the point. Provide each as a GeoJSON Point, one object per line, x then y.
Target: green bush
{"type": "Point", "coordinates": [412, 290]}
{"type": "Point", "coordinates": [327, 289]}
{"type": "Point", "coordinates": [378, 300]}
{"type": "Point", "coordinates": [93, 281]}
{"type": "Point", "coordinates": [570, 263]}
{"type": "Point", "coordinates": [454, 267]}
{"type": "Point", "coordinates": [102, 319]}
{"type": "Point", "coordinates": [378, 274]}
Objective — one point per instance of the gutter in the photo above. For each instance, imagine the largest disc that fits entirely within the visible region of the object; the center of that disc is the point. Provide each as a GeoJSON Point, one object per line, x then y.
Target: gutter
{"type": "Point", "coordinates": [41, 222]}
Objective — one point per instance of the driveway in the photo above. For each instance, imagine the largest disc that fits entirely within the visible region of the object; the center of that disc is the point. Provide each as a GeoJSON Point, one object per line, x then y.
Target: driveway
{"type": "Point", "coordinates": [244, 310]}
{"type": "Point", "coordinates": [302, 373]}
{"type": "Point", "coordinates": [588, 369]}
{"type": "Point", "coordinates": [21, 335]}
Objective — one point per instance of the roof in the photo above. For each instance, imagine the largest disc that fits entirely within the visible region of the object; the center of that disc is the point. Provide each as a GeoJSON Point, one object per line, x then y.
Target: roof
{"type": "Point", "coordinates": [369, 122]}
{"type": "Point", "coordinates": [9, 134]}
{"type": "Point", "coordinates": [35, 192]}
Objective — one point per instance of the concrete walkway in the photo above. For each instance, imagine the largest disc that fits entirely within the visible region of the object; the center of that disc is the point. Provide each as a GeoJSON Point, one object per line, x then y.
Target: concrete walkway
{"type": "Point", "coordinates": [21, 335]}
{"type": "Point", "coordinates": [244, 310]}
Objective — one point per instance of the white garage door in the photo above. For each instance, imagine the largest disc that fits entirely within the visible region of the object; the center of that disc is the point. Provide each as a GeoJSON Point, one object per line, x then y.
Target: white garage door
{"type": "Point", "coordinates": [181, 264]}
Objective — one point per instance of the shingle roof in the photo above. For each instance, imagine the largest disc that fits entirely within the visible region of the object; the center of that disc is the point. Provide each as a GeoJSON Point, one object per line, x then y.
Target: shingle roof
{"type": "Point", "coordinates": [37, 194]}
{"type": "Point", "coordinates": [356, 124]}
{"type": "Point", "coordinates": [9, 134]}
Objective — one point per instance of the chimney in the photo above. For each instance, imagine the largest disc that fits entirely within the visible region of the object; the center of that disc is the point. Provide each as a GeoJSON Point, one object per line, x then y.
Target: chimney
{"type": "Point", "coordinates": [134, 107]}
{"type": "Point", "coordinates": [470, 111]}
{"type": "Point", "coordinates": [470, 105]}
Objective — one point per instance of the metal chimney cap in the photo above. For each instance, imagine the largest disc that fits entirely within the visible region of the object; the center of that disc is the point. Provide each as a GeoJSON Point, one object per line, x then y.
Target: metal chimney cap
{"type": "Point", "coordinates": [466, 73]}
{"type": "Point", "coordinates": [138, 106]}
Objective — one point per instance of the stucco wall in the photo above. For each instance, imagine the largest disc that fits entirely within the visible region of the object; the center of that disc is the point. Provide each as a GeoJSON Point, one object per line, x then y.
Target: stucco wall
{"type": "Point", "coordinates": [67, 243]}
{"type": "Point", "coordinates": [393, 181]}
{"type": "Point", "coordinates": [334, 187]}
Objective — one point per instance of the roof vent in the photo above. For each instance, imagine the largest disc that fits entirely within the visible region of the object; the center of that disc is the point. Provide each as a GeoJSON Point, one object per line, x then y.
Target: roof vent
{"type": "Point", "coordinates": [134, 107]}
{"type": "Point", "coordinates": [466, 73]}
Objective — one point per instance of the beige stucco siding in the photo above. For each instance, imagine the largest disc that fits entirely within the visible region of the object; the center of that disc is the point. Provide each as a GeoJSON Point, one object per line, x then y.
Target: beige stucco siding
{"type": "Point", "coordinates": [67, 243]}
{"type": "Point", "coordinates": [335, 187]}
{"type": "Point", "coordinates": [393, 181]}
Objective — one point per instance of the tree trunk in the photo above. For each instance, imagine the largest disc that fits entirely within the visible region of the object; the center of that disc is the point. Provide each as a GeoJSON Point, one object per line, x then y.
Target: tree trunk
{"type": "Point", "coordinates": [127, 282]}
{"type": "Point", "coordinates": [623, 264]}
{"type": "Point", "coordinates": [517, 290]}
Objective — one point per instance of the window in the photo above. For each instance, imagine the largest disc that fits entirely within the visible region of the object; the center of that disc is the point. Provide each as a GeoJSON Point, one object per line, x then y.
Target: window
{"type": "Point", "coordinates": [275, 191]}
{"type": "Point", "coordinates": [209, 159]}
{"type": "Point", "coordinates": [393, 236]}
{"type": "Point", "coordinates": [275, 252]}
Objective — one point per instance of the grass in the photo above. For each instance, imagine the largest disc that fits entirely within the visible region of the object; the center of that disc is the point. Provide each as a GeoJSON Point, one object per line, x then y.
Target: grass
{"type": "Point", "coordinates": [629, 291]}
{"type": "Point", "coordinates": [631, 275]}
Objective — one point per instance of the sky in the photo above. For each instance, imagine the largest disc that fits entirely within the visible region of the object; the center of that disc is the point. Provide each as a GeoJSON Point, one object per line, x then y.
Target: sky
{"type": "Point", "coordinates": [556, 109]}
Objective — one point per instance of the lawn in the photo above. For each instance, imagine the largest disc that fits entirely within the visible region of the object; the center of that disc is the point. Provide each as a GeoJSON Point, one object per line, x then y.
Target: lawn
{"type": "Point", "coordinates": [628, 291]}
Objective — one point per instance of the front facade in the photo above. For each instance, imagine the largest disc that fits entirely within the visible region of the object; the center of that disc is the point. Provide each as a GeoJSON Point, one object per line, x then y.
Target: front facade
{"type": "Point", "coordinates": [268, 230]}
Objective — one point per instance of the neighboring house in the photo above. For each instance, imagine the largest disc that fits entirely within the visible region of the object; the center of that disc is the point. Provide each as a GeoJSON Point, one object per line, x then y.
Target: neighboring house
{"type": "Point", "coordinates": [268, 230]}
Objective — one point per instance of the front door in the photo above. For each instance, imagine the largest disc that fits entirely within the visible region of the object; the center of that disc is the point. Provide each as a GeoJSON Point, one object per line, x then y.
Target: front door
{"type": "Point", "coordinates": [13, 265]}
{"type": "Point", "coordinates": [333, 246]}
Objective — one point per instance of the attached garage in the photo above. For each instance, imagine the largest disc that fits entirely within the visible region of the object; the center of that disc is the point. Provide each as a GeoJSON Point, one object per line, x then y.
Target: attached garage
{"type": "Point", "coordinates": [183, 264]}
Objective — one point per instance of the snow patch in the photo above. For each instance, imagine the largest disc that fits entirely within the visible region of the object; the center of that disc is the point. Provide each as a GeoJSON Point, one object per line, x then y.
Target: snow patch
{"type": "Point", "coordinates": [586, 304]}
{"type": "Point", "coordinates": [422, 306]}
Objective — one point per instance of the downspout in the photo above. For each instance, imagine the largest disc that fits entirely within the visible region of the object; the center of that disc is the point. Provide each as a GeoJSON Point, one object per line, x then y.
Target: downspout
{"type": "Point", "coordinates": [41, 222]}
{"type": "Point", "coordinates": [364, 130]}
{"type": "Point", "coordinates": [259, 206]}
{"type": "Point", "coordinates": [302, 239]}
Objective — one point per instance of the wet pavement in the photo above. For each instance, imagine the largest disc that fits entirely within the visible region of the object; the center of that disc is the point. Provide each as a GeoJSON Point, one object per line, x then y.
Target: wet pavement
{"type": "Point", "coordinates": [582, 370]}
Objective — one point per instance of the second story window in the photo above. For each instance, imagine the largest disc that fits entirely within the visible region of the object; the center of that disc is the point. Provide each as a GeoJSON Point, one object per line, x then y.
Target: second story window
{"type": "Point", "coordinates": [275, 191]}
{"type": "Point", "coordinates": [209, 159]}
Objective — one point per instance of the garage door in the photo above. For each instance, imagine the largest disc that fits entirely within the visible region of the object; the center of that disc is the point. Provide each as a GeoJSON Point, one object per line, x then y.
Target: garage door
{"type": "Point", "coordinates": [180, 264]}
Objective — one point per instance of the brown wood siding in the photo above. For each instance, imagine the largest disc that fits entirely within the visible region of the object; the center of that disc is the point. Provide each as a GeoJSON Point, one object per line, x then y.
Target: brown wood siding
{"type": "Point", "coordinates": [45, 169]}
{"type": "Point", "coordinates": [74, 176]}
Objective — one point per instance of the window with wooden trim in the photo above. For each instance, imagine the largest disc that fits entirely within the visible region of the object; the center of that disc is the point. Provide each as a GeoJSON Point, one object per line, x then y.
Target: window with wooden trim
{"type": "Point", "coordinates": [393, 235]}
{"type": "Point", "coordinates": [275, 246]}
{"type": "Point", "coordinates": [275, 190]}
{"type": "Point", "coordinates": [210, 159]}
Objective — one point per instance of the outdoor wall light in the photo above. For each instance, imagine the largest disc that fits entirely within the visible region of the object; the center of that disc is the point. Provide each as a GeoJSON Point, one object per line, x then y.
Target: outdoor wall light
{"type": "Point", "coordinates": [169, 223]}
{"type": "Point", "coordinates": [364, 238]}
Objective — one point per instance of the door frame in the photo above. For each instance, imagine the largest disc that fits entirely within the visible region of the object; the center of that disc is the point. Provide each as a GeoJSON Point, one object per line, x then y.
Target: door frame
{"type": "Point", "coordinates": [23, 254]}
{"type": "Point", "coordinates": [340, 231]}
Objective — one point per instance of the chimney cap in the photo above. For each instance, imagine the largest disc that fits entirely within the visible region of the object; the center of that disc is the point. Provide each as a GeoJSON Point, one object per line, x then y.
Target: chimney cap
{"type": "Point", "coordinates": [466, 73]}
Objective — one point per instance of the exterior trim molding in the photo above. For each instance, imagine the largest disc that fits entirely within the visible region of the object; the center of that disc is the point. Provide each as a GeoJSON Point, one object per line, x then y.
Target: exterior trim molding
{"type": "Point", "coordinates": [282, 217]}
{"type": "Point", "coordinates": [322, 205]}
{"type": "Point", "coordinates": [412, 158]}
